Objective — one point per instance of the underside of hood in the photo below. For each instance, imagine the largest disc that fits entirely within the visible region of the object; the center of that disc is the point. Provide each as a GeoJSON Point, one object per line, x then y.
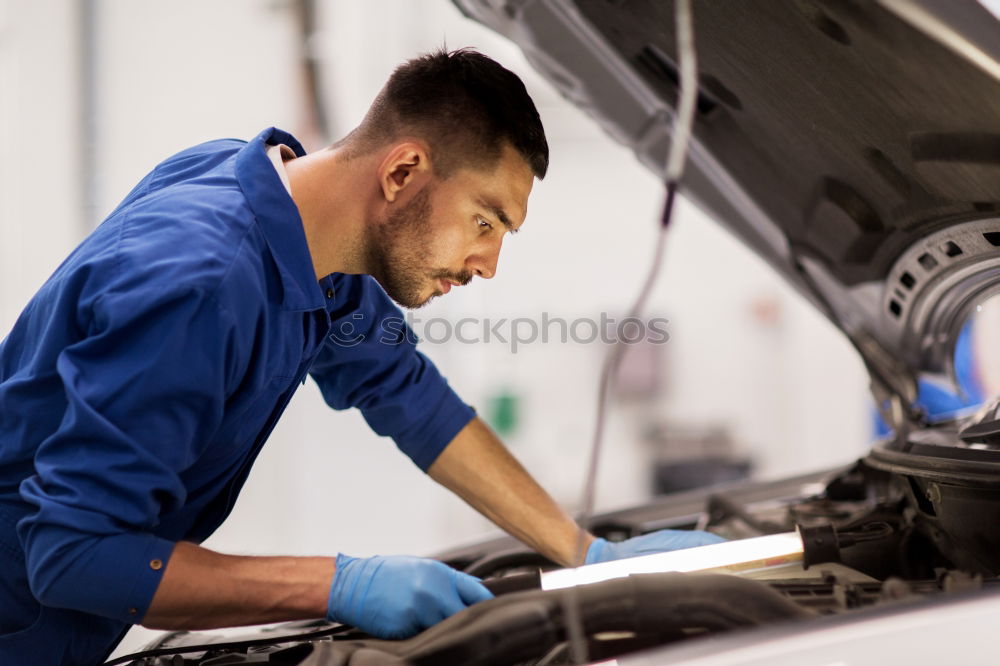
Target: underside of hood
{"type": "Point", "coordinates": [853, 144]}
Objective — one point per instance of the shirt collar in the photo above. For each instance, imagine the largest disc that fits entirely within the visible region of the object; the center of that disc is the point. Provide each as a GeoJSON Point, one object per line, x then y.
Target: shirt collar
{"type": "Point", "coordinates": [279, 220]}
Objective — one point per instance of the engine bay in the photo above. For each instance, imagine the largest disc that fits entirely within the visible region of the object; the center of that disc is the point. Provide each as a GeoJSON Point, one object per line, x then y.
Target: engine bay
{"type": "Point", "coordinates": [888, 554]}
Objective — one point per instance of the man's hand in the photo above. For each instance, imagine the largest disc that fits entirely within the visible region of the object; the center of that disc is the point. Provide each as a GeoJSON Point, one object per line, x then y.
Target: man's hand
{"type": "Point", "coordinates": [647, 544]}
{"type": "Point", "coordinates": [400, 596]}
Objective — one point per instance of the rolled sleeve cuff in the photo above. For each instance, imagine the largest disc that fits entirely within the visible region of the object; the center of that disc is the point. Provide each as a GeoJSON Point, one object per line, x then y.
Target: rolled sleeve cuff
{"type": "Point", "coordinates": [112, 576]}
{"type": "Point", "coordinates": [434, 429]}
{"type": "Point", "coordinates": [146, 577]}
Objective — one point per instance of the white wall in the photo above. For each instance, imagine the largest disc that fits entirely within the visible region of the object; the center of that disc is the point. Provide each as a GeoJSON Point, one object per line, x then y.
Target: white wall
{"type": "Point", "coordinates": [172, 74]}
{"type": "Point", "coordinates": [40, 200]}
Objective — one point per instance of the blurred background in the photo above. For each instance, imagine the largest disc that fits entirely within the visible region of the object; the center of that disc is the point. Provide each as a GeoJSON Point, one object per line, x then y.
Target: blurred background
{"type": "Point", "coordinates": [93, 93]}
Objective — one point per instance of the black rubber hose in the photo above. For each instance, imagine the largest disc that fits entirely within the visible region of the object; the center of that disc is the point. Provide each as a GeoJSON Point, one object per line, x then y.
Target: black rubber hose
{"type": "Point", "coordinates": [222, 646]}
{"type": "Point", "coordinates": [721, 507]}
{"type": "Point", "coordinates": [521, 626]}
{"type": "Point", "coordinates": [492, 564]}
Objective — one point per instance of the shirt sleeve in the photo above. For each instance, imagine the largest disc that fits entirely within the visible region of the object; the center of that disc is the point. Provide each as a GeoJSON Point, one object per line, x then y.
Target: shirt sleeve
{"type": "Point", "coordinates": [370, 361]}
{"type": "Point", "coordinates": [144, 390]}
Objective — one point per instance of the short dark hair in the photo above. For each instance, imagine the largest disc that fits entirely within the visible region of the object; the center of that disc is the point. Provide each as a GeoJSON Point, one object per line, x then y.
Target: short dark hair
{"type": "Point", "coordinates": [464, 104]}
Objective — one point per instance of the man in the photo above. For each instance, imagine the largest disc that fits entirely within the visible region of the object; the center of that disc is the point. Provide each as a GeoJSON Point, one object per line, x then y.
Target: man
{"type": "Point", "coordinates": [139, 384]}
{"type": "Point", "coordinates": [938, 401]}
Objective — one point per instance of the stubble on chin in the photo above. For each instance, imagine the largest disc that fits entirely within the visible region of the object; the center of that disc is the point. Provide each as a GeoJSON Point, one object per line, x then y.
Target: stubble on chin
{"type": "Point", "coordinates": [396, 253]}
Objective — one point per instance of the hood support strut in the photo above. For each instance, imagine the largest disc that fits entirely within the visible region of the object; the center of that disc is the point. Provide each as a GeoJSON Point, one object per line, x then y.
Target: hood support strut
{"type": "Point", "coordinates": [892, 384]}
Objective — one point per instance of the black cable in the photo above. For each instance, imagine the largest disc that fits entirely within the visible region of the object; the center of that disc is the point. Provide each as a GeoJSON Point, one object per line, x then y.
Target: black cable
{"type": "Point", "coordinates": [558, 652]}
{"type": "Point", "coordinates": [233, 645]}
{"type": "Point", "coordinates": [721, 507]}
{"type": "Point", "coordinates": [676, 160]}
{"type": "Point", "coordinates": [611, 363]}
{"type": "Point", "coordinates": [577, 643]}
{"type": "Point", "coordinates": [490, 565]}
{"type": "Point", "coordinates": [872, 531]}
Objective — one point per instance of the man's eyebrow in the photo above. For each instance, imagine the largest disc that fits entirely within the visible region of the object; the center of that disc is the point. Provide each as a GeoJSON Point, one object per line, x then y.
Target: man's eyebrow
{"type": "Point", "coordinates": [500, 214]}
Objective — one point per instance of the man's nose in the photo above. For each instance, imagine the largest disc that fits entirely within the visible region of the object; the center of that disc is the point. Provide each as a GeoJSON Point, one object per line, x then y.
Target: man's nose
{"type": "Point", "coordinates": [484, 264]}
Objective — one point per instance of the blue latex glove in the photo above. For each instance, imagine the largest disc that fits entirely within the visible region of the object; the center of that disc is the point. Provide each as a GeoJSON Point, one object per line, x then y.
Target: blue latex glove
{"type": "Point", "coordinates": [398, 596]}
{"type": "Point", "coordinates": [647, 544]}
{"type": "Point", "coordinates": [940, 402]}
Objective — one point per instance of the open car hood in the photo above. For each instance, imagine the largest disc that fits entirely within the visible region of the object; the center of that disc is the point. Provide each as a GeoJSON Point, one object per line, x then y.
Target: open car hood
{"type": "Point", "coordinates": [855, 145]}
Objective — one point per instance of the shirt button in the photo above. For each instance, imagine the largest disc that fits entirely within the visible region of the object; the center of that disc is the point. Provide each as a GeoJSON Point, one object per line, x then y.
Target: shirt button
{"type": "Point", "coordinates": [133, 611]}
{"type": "Point", "coordinates": [329, 293]}
{"type": "Point", "coordinates": [156, 565]}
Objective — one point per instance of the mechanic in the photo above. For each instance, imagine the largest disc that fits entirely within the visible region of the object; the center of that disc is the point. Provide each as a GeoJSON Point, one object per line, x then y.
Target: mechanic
{"type": "Point", "coordinates": [140, 382]}
{"type": "Point", "coordinates": [939, 401]}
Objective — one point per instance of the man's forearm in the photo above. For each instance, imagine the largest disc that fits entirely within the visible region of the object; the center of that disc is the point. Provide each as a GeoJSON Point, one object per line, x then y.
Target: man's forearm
{"type": "Point", "coordinates": [478, 468]}
{"type": "Point", "coordinates": [202, 589]}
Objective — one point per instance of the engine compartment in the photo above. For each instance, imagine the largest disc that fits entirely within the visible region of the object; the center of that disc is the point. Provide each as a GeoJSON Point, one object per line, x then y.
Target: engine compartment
{"type": "Point", "coordinates": [892, 553]}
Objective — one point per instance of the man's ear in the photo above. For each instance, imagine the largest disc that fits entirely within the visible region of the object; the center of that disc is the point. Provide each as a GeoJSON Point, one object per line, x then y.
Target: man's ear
{"type": "Point", "coordinates": [405, 166]}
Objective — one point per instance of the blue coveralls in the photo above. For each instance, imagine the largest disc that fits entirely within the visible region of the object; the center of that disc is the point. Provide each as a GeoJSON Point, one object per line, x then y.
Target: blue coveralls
{"type": "Point", "coordinates": [142, 379]}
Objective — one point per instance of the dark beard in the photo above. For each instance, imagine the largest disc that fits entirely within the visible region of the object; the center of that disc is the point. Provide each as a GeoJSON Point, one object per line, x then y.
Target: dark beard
{"type": "Point", "coordinates": [396, 254]}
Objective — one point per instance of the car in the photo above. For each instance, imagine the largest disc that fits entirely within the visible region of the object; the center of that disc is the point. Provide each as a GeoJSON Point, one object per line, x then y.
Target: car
{"type": "Point", "coordinates": [855, 146]}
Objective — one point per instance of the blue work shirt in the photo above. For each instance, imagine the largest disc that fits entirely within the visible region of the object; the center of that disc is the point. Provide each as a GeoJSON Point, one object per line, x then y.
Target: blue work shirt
{"type": "Point", "coordinates": [141, 381]}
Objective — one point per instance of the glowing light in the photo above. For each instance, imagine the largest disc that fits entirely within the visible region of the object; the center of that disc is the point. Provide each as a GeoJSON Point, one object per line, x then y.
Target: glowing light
{"type": "Point", "coordinates": [728, 557]}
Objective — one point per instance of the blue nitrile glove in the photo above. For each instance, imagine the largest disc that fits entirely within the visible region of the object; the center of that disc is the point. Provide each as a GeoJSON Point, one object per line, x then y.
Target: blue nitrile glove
{"type": "Point", "coordinates": [398, 596]}
{"type": "Point", "coordinates": [940, 402]}
{"type": "Point", "coordinates": [647, 544]}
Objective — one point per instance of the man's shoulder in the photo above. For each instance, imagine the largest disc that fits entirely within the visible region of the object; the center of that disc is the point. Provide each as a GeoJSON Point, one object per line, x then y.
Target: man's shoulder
{"type": "Point", "coordinates": [195, 161]}
{"type": "Point", "coordinates": [192, 234]}
{"type": "Point", "coordinates": [192, 226]}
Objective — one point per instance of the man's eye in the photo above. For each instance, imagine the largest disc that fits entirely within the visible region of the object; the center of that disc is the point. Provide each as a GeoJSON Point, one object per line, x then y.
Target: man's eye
{"type": "Point", "coordinates": [483, 224]}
